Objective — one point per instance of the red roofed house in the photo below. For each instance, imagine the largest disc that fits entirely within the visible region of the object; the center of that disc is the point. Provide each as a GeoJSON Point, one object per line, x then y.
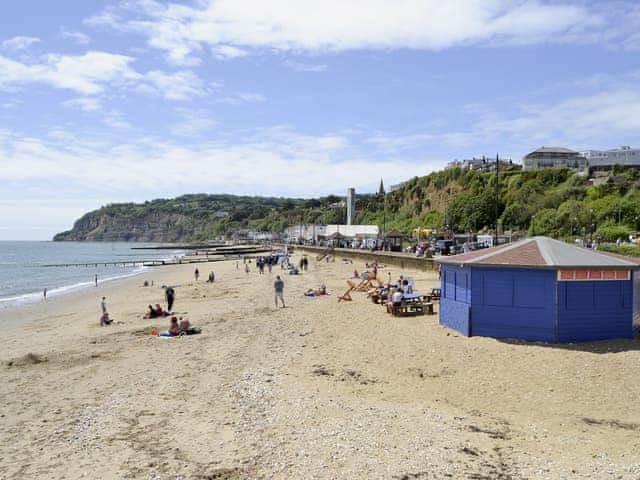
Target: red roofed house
{"type": "Point", "coordinates": [540, 289]}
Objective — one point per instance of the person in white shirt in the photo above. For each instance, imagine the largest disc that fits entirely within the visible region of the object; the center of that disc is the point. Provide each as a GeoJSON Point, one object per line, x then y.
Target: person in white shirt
{"type": "Point", "coordinates": [396, 298]}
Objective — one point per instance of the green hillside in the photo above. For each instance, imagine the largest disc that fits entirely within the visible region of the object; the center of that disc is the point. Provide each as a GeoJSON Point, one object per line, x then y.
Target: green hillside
{"type": "Point", "coordinates": [557, 203]}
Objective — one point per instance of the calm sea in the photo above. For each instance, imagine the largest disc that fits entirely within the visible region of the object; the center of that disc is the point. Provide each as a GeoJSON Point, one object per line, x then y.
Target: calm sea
{"type": "Point", "coordinates": [23, 276]}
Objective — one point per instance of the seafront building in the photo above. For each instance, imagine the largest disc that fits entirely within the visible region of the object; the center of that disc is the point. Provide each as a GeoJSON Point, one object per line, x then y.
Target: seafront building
{"type": "Point", "coordinates": [344, 233]}
{"type": "Point", "coordinates": [554, 157]}
{"type": "Point", "coordinates": [606, 159]}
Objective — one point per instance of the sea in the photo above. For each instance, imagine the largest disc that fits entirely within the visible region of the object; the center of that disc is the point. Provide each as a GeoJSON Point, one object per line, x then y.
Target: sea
{"type": "Point", "coordinates": [25, 269]}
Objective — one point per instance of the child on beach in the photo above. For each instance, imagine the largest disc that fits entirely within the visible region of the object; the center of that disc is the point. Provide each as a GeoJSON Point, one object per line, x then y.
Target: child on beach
{"type": "Point", "coordinates": [278, 287]}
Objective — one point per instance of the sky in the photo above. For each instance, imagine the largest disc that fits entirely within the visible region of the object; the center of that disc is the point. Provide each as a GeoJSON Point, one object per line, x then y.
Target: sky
{"type": "Point", "coordinates": [126, 101]}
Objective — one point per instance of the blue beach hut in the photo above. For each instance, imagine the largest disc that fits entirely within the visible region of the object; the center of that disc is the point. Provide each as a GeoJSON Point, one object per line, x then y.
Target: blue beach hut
{"type": "Point", "coordinates": [540, 289]}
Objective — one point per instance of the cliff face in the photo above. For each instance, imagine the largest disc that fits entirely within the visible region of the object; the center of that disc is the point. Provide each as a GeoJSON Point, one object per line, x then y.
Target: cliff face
{"type": "Point", "coordinates": [187, 218]}
{"type": "Point", "coordinates": [104, 226]}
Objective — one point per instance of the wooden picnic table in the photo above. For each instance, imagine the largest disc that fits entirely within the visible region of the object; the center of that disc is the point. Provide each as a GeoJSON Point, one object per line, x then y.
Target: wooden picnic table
{"type": "Point", "coordinates": [411, 303]}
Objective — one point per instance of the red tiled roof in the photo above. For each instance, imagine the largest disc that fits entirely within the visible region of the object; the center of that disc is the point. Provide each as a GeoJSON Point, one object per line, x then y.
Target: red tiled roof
{"type": "Point", "coordinates": [542, 252]}
{"type": "Point", "coordinates": [526, 254]}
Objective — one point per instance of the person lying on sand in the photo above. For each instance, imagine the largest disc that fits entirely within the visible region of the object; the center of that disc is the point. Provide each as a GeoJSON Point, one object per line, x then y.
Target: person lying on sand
{"type": "Point", "coordinates": [180, 327]}
{"type": "Point", "coordinates": [316, 292]}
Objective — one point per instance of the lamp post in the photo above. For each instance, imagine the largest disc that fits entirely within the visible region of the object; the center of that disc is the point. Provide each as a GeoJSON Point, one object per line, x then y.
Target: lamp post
{"type": "Point", "coordinates": [533, 225]}
{"type": "Point", "coordinates": [497, 194]}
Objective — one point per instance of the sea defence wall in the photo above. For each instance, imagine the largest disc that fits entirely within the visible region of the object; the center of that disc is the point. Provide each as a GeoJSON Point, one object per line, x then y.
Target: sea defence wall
{"type": "Point", "coordinates": [402, 260]}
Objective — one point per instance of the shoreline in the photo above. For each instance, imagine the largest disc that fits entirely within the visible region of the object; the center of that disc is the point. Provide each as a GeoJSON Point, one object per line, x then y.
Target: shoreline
{"type": "Point", "coordinates": [319, 389]}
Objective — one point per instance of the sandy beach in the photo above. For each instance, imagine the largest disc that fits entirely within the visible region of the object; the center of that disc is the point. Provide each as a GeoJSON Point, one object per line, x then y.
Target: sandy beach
{"type": "Point", "coordinates": [319, 389]}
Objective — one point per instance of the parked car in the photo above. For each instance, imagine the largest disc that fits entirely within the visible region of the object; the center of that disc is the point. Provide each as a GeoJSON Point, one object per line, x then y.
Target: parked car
{"type": "Point", "coordinates": [444, 247]}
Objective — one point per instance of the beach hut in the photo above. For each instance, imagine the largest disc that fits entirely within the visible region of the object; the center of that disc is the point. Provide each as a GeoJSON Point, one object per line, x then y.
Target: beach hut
{"type": "Point", "coordinates": [393, 241]}
{"type": "Point", "coordinates": [540, 289]}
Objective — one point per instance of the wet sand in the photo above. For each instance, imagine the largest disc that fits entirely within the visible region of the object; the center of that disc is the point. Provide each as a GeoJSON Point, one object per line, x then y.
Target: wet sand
{"type": "Point", "coordinates": [319, 389]}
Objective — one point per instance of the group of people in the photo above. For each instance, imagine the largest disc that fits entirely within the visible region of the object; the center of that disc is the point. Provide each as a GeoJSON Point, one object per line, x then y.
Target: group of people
{"type": "Point", "coordinates": [210, 279]}
{"type": "Point", "coordinates": [391, 291]}
{"type": "Point", "coordinates": [263, 262]}
{"type": "Point", "coordinates": [180, 326]}
{"type": "Point", "coordinates": [156, 311]}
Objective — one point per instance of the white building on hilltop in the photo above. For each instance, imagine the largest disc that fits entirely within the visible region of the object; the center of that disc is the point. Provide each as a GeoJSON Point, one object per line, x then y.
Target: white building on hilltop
{"type": "Point", "coordinates": [606, 159]}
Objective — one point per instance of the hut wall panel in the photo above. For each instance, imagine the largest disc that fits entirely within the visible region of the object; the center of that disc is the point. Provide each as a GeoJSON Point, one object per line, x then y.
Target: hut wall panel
{"type": "Point", "coordinates": [455, 301]}
{"type": "Point", "coordinates": [636, 301]}
{"type": "Point", "coordinates": [596, 310]}
{"type": "Point", "coordinates": [513, 303]}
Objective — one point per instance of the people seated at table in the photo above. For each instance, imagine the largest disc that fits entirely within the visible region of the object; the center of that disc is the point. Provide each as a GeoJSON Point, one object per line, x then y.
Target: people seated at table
{"type": "Point", "coordinates": [406, 286]}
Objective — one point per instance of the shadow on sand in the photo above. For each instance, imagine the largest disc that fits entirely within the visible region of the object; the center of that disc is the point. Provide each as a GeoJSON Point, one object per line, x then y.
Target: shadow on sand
{"type": "Point", "coordinates": [599, 347]}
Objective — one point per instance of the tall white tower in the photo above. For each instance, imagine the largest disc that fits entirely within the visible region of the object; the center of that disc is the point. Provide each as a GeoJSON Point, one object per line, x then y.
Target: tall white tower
{"type": "Point", "coordinates": [351, 205]}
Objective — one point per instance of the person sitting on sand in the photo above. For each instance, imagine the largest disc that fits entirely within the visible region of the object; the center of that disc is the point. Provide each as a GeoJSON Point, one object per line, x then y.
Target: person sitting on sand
{"type": "Point", "coordinates": [184, 324]}
{"type": "Point", "coordinates": [151, 313]}
{"type": "Point", "coordinates": [159, 311]}
{"type": "Point", "coordinates": [105, 320]}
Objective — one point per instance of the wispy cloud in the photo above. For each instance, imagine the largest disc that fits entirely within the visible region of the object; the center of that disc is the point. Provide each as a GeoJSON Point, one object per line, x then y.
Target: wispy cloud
{"type": "Point", "coordinates": [78, 37]}
{"type": "Point", "coordinates": [242, 98]}
{"type": "Point", "coordinates": [87, 104]}
{"type": "Point", "coordinates": [94, 72]}
{"type": "Point", "coordinates": [192, 123]}
{"type": "Point", "coordinates": [19, 43]}
{"type": "Point", "coordinates": [305, 67]}
{"type": "Point", "coordinates": [183, 31]}
{"type": "Point", "coordinates": [226, 52]}
{"type": "Point", "coordinates": [605, 113]}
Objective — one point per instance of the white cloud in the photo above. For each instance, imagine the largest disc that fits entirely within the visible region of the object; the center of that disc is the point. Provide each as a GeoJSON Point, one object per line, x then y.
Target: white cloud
{"type": "Point", "coordinates": [242, 98]}
{"type": "Point", "coordinates": [87, 104]}
{"type": "Point", "coordinates": [226, 52]}
{"type": "Point", "coordinates": [192, 123]}
{"type": "Point", "coordinates": [19, 43]}
{"type": "Point", "coordinates": [311, 26]}
{"type": "Point", "coordinates": [114, 119]}
{"type": "Point", "coordinates": [305, 67]}
{"type": "Point", "coordinates": [606, 116]}
{"type": "Point", "coordinates": [78, 37]}
{"type": "Point", "coordinates": [94, 72]}
{"type": "Point", "coordinates": [175, 86]}
{"type": "Point", "coordinates": [237, 165]}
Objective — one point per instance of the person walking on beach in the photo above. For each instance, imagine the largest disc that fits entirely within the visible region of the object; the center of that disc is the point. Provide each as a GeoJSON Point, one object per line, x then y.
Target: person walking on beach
{"type": "Point", "coordinates": [170, 295]}
{"type": "Point", "coordinates": [103, 305]}
{"type": "Point", "coordinates": [96, 279]}
{"type": "Point", "coordinates": [246, 268]}
{"type": "Point", "coordinates": [278, 287]}
{"type": "Point", "coordinates": [196, 274]}
{"type": "Point", "coordinates": [44, 293]}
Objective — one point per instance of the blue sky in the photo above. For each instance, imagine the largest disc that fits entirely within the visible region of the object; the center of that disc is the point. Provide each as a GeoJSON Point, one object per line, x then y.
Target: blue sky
{"type": "Point", "coordinates": [106, 102]}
